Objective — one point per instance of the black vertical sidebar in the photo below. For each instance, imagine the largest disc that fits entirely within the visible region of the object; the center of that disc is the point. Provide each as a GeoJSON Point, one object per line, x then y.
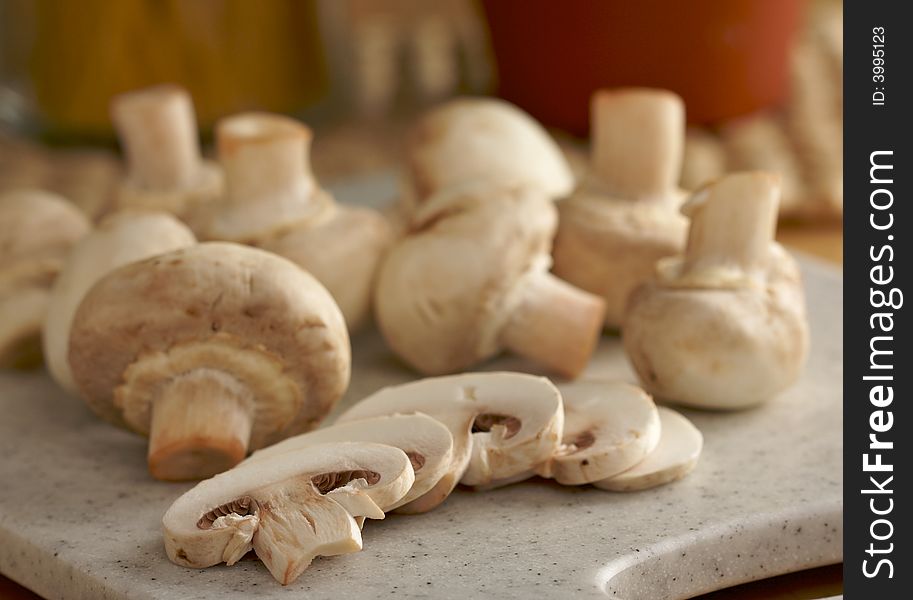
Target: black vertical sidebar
{"type": "Point", "coordinates": [878, 171]}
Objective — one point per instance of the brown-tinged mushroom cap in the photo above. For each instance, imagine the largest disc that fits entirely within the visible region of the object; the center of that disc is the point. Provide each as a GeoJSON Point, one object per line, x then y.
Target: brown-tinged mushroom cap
{"type": "Point", "coordinates": [121, 238]}
{"type": "Point", "coordinates": [471, 278]}
{"type": "Point", "coordinates": [724, 325]}
{"type": "Point", "coordinates": [210, 350]}
{"type": "Point", "coordinates": [37, 230]}
{"type": "Point", "coordinates": [426, 441]}
{"type": "Point", "coordinates": [608, 428]}
{"type": "Point", "coordinates": [625, 216]}
{"type": "Point", "coordinates": [165, 169]}
{"type": "Point", "coordinates": [484, 139]}
{"type": "Point", "coordinates": [288, 508]}
{"type": "Point", "coordinates": [504, 425]}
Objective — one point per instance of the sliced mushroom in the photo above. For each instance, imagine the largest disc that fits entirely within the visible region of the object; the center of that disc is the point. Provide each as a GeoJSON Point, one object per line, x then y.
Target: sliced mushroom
{"type": "Point", "coordinates": [37, 230]}
{"type": "Point", "coordinates": [674, 457]}
{"type": "Point", "coordinates": [123, 237]}
{"type": "Point", "coordinates": [625, 217]}
{"type": "Point", "coordinates": [483, 139]}
{"type": "Point", "coordinates": [427, 443]}
{"type": "Point", "coordinates": [273, 201]}
{"type": "Point", "coordinates": [471, 279]}
{"type": "Point", "coordinates": [289, 508]}
{"type": "Point", "coordinates": [608, 428]}
{"type": "Point", "coordinates": [724, 325]}
{"type": "Point", "coordinates": [209, 350]}
{"type": "Point", "coordinates": [504, 425]}
{"type": "Point", "coordinates": [165, 170]}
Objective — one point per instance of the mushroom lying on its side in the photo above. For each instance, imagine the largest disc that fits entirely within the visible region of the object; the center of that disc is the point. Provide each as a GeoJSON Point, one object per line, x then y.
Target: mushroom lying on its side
{"type": "Point", "coordinates": [625, 216]}
{"type": "Point", "coordinates": [165, 170]}
{"type": "Point", "coordinates": [121, 238]}
{"type": "Point", "coordinates": [209, 350]}
{"type": "Point", "coordinates": [504, 425]}
{"type": "Point", "coordinates": [471, 278]}
{"type": "Point", "coordinates": [608, 428]}
{"type": "Point", "coordinates": [289, 508]}
{"type": "Point", "coordinates": [272, 200]}
{"type": "Point", "coordinates": [482, 139]}
{"type": "Point", "coordinates": [426, 442]}
{"type": "Point", "coordinates": [37, 230]}
{"type": "Point", "coordinates": [723, 326]}
{"type": "Point", "coordinates": [674, 457]}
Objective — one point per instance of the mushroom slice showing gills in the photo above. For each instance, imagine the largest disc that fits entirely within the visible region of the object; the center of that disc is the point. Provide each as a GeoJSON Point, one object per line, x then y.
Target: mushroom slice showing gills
{"type": "Point", "coordinates": [676, 455]}
{"type": "Point", "coordinates": [289, 508]}
{"type": "Point", "coordinates": [426, 442]}
{"type": "Point", "coordinates": [504, 425]}
{"type": "Point", "coordinates": [608, 428]}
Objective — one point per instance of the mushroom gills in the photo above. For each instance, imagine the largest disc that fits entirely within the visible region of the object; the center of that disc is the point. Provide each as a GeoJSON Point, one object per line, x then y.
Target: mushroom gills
{"type": "Point", "coordinates": [289, 508]}
{"type": "Point", "coordinates": [608, 428]}
{"type": "Point", "coordinates": [675, 456]}
{"type": "Point", "coordinates": [504, 425]}
{"type": "Point", "coordinates": [427, 443]}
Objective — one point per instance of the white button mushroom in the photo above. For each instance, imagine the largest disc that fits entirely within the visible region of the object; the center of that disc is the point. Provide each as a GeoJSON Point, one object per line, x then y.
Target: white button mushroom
{"type": "Point", "coordinates": [608, 428]}
{"type": "Point", "coordinates": [427, 443]}
{"type": "Point", "coordinates": [724, 326]}
{"type": "Point", "coordinates": [289, 508]}
{"type": "Point", "coordinates": [483, 139]}
{"type": "Point", "coordinates": [37, 230]}
{"type": "Point", "coordinates": [674, 457]}
{"type": "Point", "coordinates": [471, 278]}
{"type": "Point", "coordinates": [504, 425]}
{"type": "Point", "coordinates": [625, 216]}
{"type": "Point", "coordinates": [273, 201]}
{"type": "Point", "coordinates": [209, 350]}
{"type": "Point", "coordinates": [121, 238]}
{"type": "Point", "coordinates": [165, 170]}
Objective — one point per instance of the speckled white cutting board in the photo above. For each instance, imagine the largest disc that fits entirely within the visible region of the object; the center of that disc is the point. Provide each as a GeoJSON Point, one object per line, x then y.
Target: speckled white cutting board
{"type": "Point", "coordinates": [79, 514]}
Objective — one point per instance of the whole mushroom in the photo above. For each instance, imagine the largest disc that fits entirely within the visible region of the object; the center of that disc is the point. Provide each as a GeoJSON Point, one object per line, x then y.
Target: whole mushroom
{"type": "Point", "coordinates": [37, 230]}
{"type": "Point", "coordinates": [289, 508]}
{"type": "Point", "coordinates": [625, 215]}
{"type": "Point", "coordinates": [165, 170]}
{"type": "Point", "coordinates": [724, 325]}
{"type": "Point", "coordinates": [210, 350]}
{"type": "Point", "coordinates": [482, 139]}
{"type": "Point", "coordinates": [121, 238]}
{"type": "Point", "coordinates": [471, 278]}
{"type": "Point", "coordinates": [272, 200]}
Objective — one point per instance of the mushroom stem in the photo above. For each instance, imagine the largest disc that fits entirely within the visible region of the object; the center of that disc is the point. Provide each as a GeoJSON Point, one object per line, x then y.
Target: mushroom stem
{"type": "Point", "coordinates": [555, 324]}
{"type": "Point", "coordinates": [201, 425]}
{"type": "Point", "coordinates": [158, 131]}
{"type": "Point", "coordinates": [732, 224]}
{"type": "Point", "coordinates": [265, 156]}
{"type": "Point", "coordinates": [637, 141]}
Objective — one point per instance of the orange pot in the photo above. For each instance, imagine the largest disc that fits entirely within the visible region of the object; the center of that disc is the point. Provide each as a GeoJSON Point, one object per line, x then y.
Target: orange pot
{"type": "Point", "coordinates": [724, 57]}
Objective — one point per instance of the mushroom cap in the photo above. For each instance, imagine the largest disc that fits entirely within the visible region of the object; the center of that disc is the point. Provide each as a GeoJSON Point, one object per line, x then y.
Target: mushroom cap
{"type": "Point", "coordinates": [484, 139]}
{"type": "Point", "coordinates": [426, 441]}
{"type": "Point", "coordinates": [444, 291]}
{"type": "Point", "coordinates": [674, 457]}
{"type": "Point", "coordinates": [220, 306]}
{"type": "Point", "coordinates": [343, 253]}
{"type": "Point", "coordinates": [727, 347]}
{"type": "Point", "coordinates": [190, 545]}
{"type": "Point", "coordinates": [187, 203]}
{"type": "Point", "coordinates": [121, 238]}
{"type": "Point", "coordinates": [608, 428]}
{"type": "Point", "coordinates": [609, 247]}
{"type": "Point", "coordinates": [503, 424]}
{"type": "Point", "coordinates": [37, 229]}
